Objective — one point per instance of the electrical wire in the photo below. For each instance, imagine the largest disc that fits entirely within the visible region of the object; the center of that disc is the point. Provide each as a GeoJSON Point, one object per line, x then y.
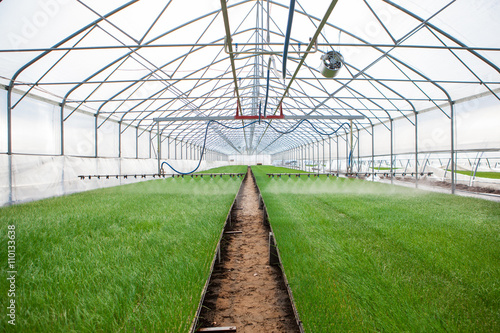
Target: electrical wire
{"type": "Point", "coordinates": [320, 132]}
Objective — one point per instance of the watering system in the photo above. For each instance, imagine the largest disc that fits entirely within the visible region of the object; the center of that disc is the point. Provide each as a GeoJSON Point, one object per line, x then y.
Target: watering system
{"type": "Point", "coordinates": [160, 175]}
{"type": "Point", "coordinates": [264, 120]}
{"type": "Point", "coordinates": [349, 174]}
{"type": "Point", "coordinates": [330, 61]}
{"type": "Point", "coordinates": [287, 36]}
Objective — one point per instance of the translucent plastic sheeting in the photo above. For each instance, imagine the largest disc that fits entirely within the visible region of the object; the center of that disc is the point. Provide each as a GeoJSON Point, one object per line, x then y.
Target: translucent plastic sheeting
{"type": "Point", "coordinates": [343, 141]}
{"type": "Point", "coordinates": [249, 159]}
{"type": "Point", "coordinates": [404, 135]}
{"type": "Point", "coordinates": [3, 121]}
{"type": "Point", "coordinates": [36, 128]}
{"type": "Point", "coordinates": [128, 143]}
{"type": "Point", "coordinates": [38, 177]}
{"type": "Point", "coordinates": [79, 135]}
{"type": "Point", "coordinates": [434, 131]}
{"type": "Point", "coordinates": [477, 124]}
{"type": "Point", "coordinates": [364, 142]}
{"type": "Point", "coordinates": [473, 132]}
{"type": "Point", "coordinates": [4, 179]}
{"type": "Point", "coordinates": [144, 145]}
{"type": "Point", "coordinates": [107, 139]}
{"type": "Point", "coordinates": [383, 140]}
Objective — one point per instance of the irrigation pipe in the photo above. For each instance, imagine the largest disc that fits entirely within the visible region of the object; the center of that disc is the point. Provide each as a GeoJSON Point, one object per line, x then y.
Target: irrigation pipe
{"type": "Point", "coordinates": [267, 85]}
{"type": "Point", "coordinates": [295, 127]}
{"type": "Point", "coordinates": [287, 35]}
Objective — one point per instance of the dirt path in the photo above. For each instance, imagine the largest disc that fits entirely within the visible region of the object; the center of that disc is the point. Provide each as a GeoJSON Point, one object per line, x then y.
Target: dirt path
{"type": "Point", "coordinates": [245, 291]}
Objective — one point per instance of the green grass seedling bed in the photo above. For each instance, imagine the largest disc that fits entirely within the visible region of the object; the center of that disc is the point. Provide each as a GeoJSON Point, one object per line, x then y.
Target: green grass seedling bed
{"type": "Point", "coordinates": [371, 257]}
{"type": "Point", "coordinates": [282, 170]}
{"type": "Point", "coordinates": [132, 258]}
{"type": "Point", "coordinates": [226, 169]}
{"type": "Point", "coordinates": [482, 174]}
{"type": "Point", "coordinates": [384, 169]}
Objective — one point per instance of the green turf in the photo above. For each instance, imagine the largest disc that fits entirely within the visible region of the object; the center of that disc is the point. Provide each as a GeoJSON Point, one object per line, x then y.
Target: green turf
{"type": "Point", "coordinates": [282, 170]}
{"type": "Point", "coordinates": [482, 174]}
{"type": "Point", "coordinates": [370, 257]}
{"type": "Point", "coordinates": [132, 258]}
{"type": "Point", "coordinates": [384, 168]}
{"type": "Point", "coordinates": [227, 169]}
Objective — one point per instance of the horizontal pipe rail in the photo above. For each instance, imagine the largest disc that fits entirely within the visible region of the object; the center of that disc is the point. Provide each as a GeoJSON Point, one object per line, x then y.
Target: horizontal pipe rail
{"type": "Point", "coordinates": [248, 77]}
{"type": "Point", "coordinates": [323, 117]}
{"type": "Point", "coordinates": [162, 175]}
{"type": "Point", "coordinates": [83, 48]}
{"type": "Point", "coordinates": [349, 174]}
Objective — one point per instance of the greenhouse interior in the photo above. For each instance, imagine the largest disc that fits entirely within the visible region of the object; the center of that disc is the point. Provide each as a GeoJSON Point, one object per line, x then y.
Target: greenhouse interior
{"type": "Point", "coordinates": [142, 143]}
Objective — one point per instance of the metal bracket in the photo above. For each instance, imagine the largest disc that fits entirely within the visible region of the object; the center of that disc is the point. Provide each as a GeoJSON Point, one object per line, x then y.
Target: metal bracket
{"type": "Point", "coordinates": [238, 116]}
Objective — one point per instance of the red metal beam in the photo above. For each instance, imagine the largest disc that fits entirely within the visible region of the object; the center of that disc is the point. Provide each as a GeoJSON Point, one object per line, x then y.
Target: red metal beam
{"type": "Point", "coordinates": [238, 117]}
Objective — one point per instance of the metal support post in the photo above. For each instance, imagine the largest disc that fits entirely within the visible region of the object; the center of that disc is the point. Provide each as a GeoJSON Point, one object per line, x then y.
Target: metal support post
{"type": "Point", "coordinates": [158, 146]}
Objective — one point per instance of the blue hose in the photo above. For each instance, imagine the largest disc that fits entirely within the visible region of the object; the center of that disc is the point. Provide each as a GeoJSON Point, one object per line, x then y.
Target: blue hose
{"type": "Point", "coordinates": [287, 36]}
{"type": "Point", "coordinates": [244, 126]}
{"type": "Point", "coordinates": [350, 155]}
{"type": "Point", "coordinates": [267, 86]}
{"type": "Point", "coordinates": [201, 156]}
{"type": "Point", "coordinates": [260, 111]}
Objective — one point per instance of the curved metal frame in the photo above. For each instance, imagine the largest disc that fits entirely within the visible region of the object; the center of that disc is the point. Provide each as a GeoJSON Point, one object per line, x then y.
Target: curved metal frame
{"type": "Point", "coordinates": [257, 140]}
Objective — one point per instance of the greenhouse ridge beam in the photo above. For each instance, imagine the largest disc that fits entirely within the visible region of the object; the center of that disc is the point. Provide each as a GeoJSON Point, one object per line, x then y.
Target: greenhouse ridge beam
{"type": "Point", "coordinates": [348, 117]}
{"type": "Point", "coordinates": [230, 97]}
{"type": "Point", "coordinates": [338, 109]}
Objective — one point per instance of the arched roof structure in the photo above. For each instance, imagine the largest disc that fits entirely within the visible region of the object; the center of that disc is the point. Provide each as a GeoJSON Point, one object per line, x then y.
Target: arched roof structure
{"type": "Point", "coordinates": [140, 60]}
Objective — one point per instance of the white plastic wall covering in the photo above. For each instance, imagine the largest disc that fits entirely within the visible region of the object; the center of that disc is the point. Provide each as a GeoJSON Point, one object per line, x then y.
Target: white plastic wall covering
{"type": "Point", "coordinates": [35, 128]}
{"type": "Point", "coordinates": [128, 143]}
{"type": "Point", "coordinates": [165, 147]}
{"type": "Point", "coordinates": [108, 139]}
{"type": "Point", "coordinates": [3, 121]}
{"type": "Point", "coordinates": [38, 177]}
{"type": "Point", "coordinates": [143, 146]}
{"type": "Point", "coordinates": [150, 144]}
{"type": "Point", "coordinates": [475, 128]}
{"type": "Point", "coordinates": [5, 174]}
{"type": "Point", "coordinates": [136, 142]}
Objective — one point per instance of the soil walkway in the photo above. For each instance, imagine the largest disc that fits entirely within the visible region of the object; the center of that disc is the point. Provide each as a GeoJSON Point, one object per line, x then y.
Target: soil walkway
{"type": "Point", "coordinates": [244, 290]}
